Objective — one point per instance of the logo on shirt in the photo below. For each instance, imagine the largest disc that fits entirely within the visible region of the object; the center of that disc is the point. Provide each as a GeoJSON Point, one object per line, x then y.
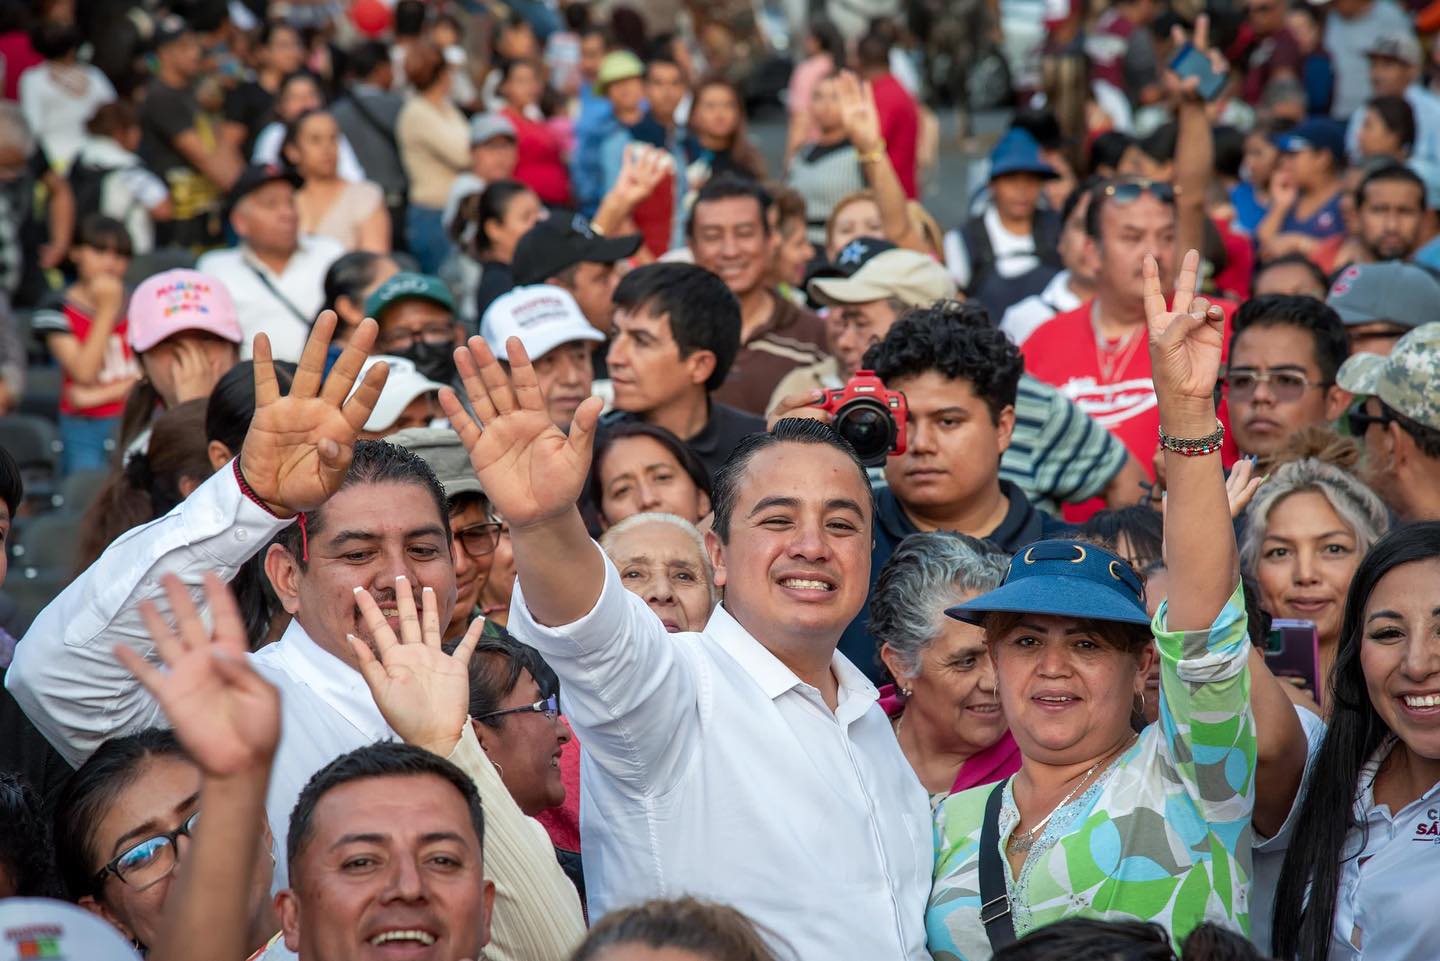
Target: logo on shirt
{"type": "Point", "coordinates": [1427, 830]}
{"type": "Point", "coordinates": [1111, 404]}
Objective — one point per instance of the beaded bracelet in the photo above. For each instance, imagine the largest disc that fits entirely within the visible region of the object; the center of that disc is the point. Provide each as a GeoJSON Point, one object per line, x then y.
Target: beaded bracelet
{"type": "Point", "coordinates": [1194, 447]}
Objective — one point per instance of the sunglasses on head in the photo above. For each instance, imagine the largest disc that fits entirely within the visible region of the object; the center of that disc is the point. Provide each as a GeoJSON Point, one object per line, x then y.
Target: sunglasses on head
{"type": "Point", "coordinates": [1128, 191]}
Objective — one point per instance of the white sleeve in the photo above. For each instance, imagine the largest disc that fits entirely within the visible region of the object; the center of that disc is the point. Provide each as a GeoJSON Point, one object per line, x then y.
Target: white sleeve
{"type": "Point", "coordinates": [349, 167]}
{"type": "Point", "coordinates": [65, 675]}
{"type": "Point", "coordinates": [629, 688]}
{"type": "Point", "coordinates": [267, 144]}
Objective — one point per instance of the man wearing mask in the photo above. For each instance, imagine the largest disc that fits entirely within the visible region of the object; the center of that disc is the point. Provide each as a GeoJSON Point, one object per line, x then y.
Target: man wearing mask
{"type": "Point", "coordinates": [416, 315]}
{"type": "Point", "coordinates": [276, 277]}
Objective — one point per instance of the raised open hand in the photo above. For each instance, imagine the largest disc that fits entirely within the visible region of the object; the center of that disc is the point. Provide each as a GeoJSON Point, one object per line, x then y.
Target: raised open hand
{"type": "Point", "coordinates": [857, 110]}
{"type": "Point", "coordinates": [226, 715]}
{"type": "Point", "coordinates": [299, 445]}
{"type": "Point", "coordinates": [641, 171]}
{"type": "Point", "coordinates": [422, 692]}
{"type": "Point", "coordinates": [1186, 341]}
{"type": "Point", "coordinates": [530, 470]}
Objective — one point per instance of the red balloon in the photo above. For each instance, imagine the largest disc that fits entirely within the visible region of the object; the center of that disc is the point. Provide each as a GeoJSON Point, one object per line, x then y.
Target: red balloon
{"type": "Point", "coordinates": [371, 17]}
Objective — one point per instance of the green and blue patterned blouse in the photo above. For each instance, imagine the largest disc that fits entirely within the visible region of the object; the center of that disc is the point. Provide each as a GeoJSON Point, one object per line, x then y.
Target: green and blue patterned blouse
{"type": "Point", "coordinates": [1164, 835]}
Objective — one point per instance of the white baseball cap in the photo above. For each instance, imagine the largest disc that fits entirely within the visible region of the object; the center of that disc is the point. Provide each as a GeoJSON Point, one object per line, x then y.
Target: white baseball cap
{"type": "Point", "coordinates": [404, 384]}
{"type": "Point", "coordinates": [42, 928]}
{"type": "Point", "coordinates": [543, 316]}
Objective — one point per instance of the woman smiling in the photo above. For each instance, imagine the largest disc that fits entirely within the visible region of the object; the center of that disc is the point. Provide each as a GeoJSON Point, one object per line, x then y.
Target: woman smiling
{"type": "Point", "coordinates": [1102, 821]}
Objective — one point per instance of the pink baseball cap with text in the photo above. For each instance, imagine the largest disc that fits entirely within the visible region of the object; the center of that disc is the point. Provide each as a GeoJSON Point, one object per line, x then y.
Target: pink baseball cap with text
{"type": "Point", "coordinates": [176, 300]}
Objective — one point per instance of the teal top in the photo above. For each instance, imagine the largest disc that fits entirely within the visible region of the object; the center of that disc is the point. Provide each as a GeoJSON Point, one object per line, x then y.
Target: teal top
{"type": "Point", "coordinates": [1163, 835]}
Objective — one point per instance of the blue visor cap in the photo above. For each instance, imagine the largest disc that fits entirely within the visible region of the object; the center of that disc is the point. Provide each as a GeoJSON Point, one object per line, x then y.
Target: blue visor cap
{"type": "Point", "coordinates": [1066, 579]}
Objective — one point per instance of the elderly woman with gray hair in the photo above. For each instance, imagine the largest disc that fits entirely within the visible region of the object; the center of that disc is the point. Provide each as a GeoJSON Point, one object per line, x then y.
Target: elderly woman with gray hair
{"type": "Point", "coordinates": [662, 558]}
{"type": "Point", "coordinates": [1305, 532]}
{"type": "Point", "coordinates": [943, 705]}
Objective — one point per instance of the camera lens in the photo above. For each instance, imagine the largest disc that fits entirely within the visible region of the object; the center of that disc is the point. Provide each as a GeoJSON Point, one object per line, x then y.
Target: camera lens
{"type": "Point", "coordinates": [866, 424]}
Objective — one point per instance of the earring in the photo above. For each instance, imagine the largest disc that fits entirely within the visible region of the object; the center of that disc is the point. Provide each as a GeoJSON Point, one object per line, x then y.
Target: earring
{"type": "Point", "coordinates": [907, 691]}
{"type": "Point", "coordinates": [498, 770]}
{"type": "Point", "coordinates": [1141, 710]}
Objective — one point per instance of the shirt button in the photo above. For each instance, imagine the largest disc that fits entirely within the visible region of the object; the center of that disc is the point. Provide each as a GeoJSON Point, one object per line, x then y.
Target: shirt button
{"type": "Point", "coordinates": [242, 534]}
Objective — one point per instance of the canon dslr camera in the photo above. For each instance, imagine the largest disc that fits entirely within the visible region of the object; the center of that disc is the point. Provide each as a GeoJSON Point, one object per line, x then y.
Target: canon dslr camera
{"type": "Point", "coordinates": [867, 415]}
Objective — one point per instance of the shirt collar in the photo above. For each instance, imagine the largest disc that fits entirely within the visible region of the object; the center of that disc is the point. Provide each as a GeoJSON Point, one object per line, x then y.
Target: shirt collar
{"type": "Point", "coordinates": [1365, 807]}
{"type": "Point", "coordinates": [856, 694]}
{"type": "Point", "coordinates": [333, 681]}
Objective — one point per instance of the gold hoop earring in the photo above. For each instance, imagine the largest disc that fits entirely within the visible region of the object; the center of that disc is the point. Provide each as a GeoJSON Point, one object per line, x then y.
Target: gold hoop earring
{"type": "Point", "coordinates": [1141, 709]}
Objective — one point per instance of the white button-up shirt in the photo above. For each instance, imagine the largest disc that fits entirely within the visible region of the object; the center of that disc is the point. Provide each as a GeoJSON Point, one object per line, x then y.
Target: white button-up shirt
{"type": "Point", "coordinates": [275, 302]}
{"type": "Point", "coordinates": [1387, 895]}
{"type": "Point", "coordinates": [711, 769]}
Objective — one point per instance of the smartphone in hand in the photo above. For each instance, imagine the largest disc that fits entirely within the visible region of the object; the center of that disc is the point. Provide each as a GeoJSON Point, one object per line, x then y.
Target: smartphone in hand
{"type": "Point", "coordinates": [1292, 649]}
{"type": "Point", "coordinates": [1190, 61]}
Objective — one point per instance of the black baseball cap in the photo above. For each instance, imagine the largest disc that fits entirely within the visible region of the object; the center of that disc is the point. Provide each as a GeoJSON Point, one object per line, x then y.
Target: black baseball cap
{"type": "Point", "coordinates": [168, 29]}
{"type": "Point", "coordinates": [255, 176]}
{"type": "Point", "coordinates": [558, 243]}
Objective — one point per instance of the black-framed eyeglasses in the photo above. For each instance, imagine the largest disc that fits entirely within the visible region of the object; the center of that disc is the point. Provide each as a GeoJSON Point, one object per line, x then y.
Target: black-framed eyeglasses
{"type": "Point", "coordinates": [149, 861]}
{"type": "Point", "coordinates": [477, 540]}
{"type": "Point", "coordinates": [1128, 190]}
{"type": "Point", "coordinates": [550, 707]}
{"type": "Point", "coordinates": [1286, 385]}
{"type": "Point", "coordinates": [1359, 420]}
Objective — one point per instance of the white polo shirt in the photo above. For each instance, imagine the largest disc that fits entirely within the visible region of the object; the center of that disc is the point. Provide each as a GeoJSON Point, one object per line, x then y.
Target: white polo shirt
{"type": "Point", "coordinates": [275, 303]}
{"type": "Point", "coordinates": [711, 769]}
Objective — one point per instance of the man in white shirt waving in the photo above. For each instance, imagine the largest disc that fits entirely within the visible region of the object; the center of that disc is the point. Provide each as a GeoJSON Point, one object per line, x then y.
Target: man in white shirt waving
{"type": "Point", "coordinates": [748, 763]}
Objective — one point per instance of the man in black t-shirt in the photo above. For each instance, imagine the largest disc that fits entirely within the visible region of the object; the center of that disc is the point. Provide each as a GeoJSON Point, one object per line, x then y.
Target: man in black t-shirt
{"type": "Point", "coordinates": [182, 143]}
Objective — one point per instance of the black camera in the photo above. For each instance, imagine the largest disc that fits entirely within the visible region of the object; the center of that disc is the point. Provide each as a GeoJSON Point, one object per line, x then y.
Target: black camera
{"type": "Point", "coordinates": [870, 417]}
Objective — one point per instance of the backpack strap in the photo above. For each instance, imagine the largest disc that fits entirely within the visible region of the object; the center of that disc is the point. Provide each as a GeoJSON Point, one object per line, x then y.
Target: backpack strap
{"type": "Point", "coordinates": [994, 899]}
{"type": "Point", "coordinates": [979, 250]}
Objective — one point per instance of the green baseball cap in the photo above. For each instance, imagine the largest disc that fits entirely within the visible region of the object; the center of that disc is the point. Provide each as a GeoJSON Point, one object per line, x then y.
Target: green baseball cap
{"type": "Point", "coordinates": [1405, 380]}
{"type": "Point", "coordinates": [619, 65]}
{"type": "Point", "coordinates": [440, 447]}
{"type": "Point", "coordinates": [409, 286]}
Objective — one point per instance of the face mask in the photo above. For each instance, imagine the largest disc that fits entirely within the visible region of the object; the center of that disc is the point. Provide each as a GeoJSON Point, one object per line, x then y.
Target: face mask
{"type": "Point", "coordinates": [436, 361]}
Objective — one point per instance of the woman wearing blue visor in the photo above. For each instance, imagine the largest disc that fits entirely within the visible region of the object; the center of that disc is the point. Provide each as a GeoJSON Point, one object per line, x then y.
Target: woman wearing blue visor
{"type": "Point", "coordinates": [1103, 819]}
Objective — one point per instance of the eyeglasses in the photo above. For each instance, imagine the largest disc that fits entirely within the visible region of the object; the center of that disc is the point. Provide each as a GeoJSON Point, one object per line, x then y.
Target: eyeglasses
{"type": "Point", "coordinates": [1359, 420]}
{"type": "Point", "coordinates": [550, 707]}
{"type": "Point", "coordinates": [1286, 385]}
{"type": "Point", "coordinates": [478, 540]}
{"type": "Point", "coordinates": [1128, 191]}
{"type": "Point", "coordinates": [399, 341]}
{"type": "Point", "coordinates": [150, 861]}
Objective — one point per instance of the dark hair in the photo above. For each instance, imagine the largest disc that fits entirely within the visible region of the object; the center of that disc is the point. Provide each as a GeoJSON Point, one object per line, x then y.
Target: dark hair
{"type": "Point", "coordinates": [934, 339]}
{"type": "Point", "coordinates": [349, 275]}
{"type": "Point", "coordinates": [409, 18]}
{"type": "Point", "coordinates": [1310, 877]}
{"type": "Point", "coordinates": [726, 186]}
{"type": "Point", "coordinates": [27, 853]}
{"type": "Point", "coordinates": [368, 57]}
{"type": "Point", "coordinates": [86, 795]}
{"type": "Point", "coordinates": [1389, 173]}
{"type": "Point", "coordinates": [111, 118]}
{"type": "Point", "coordinates": [1108, 148]}
{"type": "Point", "coordinates": [270, 27]}
{"type": "Point", "coordinates": [488, 206]}
{"type": "Point", "coordinates": [1138, 524]}
{"type": "Point", "coordinates": [1295, 260]}
{"type": "Point", "coordinates": [1159, 144]}
{"type": "Point", "coordinates": [301, 76]}
{"type": "Point", "coordinates": [495, 668]}
{"type": "Point", "coordinates": [1211, 942]}
{"type": "Point", "coordinates": [1100, 196]}
{"type": "Point", "coordinates": [790, 430]}
{"type": "Point", "coordinates": [1318, 319]}
{"type": "Point", "coordinates": [292, 132]}
{"type": "Point", "coordinates": [1040, 123]}
{"type": "Point", "coordinates": [53, 39]}
{"type": "Point", "coordinates": [1072, 200]}
{"type": "Point", "coordinates": [872, 52]}
{"type": "Point", "coordinates": [1427, 439]}
{"type": "Point", "coordinates": [1229, 151]}
{"type": "Point", "coordinates": [745, 157]}
{"type": "Point", "coordinates": [576, 17]}
{"type": "Point", "coordinates": [507, 67]}
{"type": "Point", "coordinates": [692, 465]}
{"type": "Point", "coordinates": [628, 28]}
{"type": "Point", "coordinates": [1398, 117]}
{"type": "Point", "coordinates": [373, 462]}
{"type": "Point", "coordinates": [1091, 939]}
{"type": "Point", "coordinates": [829, 37]}
{"type": "Point", "coordinates": [424, 63]}
{"type": "Point", "coordinates": [716, 932]}
{"type": "Point", "coordinates": [147, 485]}
{"type": "Point", "coordinates": [97, 232]}
{"type": "Point", "coordinates": [379, 760]}
{"type": "Point", "coordinates": [12, 483]}
{"type": "Point", "coordinates": [702, 312]}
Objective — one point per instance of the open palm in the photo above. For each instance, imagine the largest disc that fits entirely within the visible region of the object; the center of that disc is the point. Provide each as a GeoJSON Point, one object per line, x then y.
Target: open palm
{"type": "Point", "coordinates": [226, 715]}
{"type": "Point", "coordinates": [530, 470]}
{"type": "Point", "coordinates": [422, 692]}
{"type": "Point", "coordinates": [1186, 338]}
{"type": "Point", "coordinates": [299, 445]}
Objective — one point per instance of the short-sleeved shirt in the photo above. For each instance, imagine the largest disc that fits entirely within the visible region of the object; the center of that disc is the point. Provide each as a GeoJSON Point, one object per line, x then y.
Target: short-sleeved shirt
{"type": "Point", "coordinates": [1262, 58]}
{"type": "Point", "coordinates": [900, 126]}
{"type": "Point", "coordinates": [1328, 221]}
{"type": "Point", "coordinates": [1164, 835]}
{"type": "Point", "coordinates": [722, 431]}
{"type": "Point", "coordinates": [1121, 54]}
{"type": "Point", "coordinates": [117, 363]}
{"type": "Point", "coordinates": [794, 337]}
{"type": "Point", "coordinates": [166, 113]}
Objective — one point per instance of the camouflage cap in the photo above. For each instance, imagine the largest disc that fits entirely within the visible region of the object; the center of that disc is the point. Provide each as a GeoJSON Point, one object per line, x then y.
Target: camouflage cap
{"type": "Point", "coordinates": [1407, 381]}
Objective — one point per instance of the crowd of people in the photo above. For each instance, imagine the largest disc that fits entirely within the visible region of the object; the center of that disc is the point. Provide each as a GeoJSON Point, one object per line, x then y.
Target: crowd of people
{"type": "Point", "coordinates": [527, 523]}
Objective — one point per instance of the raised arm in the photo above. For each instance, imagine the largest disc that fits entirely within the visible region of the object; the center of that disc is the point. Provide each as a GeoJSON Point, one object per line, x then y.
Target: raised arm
{"type": "Point", "coordinates": [1185, 346]}
{"type": "Point", "coordinates": [862, 126]}
{"type": "Point", "coordinates": [1194, 145]}
{"type": "Point", "coordinates": [228, 720]}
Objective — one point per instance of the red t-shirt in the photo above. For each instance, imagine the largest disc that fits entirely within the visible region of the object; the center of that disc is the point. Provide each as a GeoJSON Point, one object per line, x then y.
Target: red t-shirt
{"type": "Point", "coordinates": [117, 362]}
{"type": "Point", "coordinates": [900, 126]}
{"type": "Point", "coordinates": [538, 161]}
{"type": "Point", "coordinates": [1063, 352]}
